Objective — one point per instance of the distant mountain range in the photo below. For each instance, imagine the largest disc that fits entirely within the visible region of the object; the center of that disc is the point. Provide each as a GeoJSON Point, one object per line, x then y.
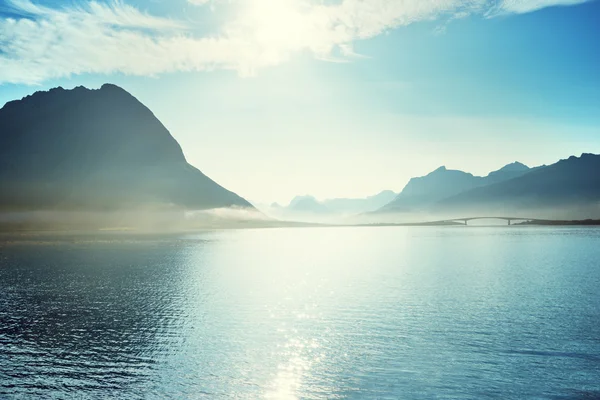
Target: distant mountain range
{"type": "Point", "coordinates": [341, 205]}
{"type": "Point", "coordinates": [567, 189]}
{"type": "Point", "coordinates": [310, 209]}
{"type": "Point", "coordinates": [99, 149]}
{"type": "Point", "coordinates": [307, 204]}
{"type": "Point", "coordinates": [420, 193]}
{"type": "Point", "coordinates": [102, 150]}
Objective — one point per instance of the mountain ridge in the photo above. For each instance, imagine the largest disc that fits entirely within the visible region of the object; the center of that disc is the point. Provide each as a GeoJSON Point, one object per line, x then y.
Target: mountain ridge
{"type": "Point", "coordinates": [569, 185]}
{"type": "Point", "coordinates": [96, 149]}
{"type": "Point", "coordinates": [308, 208]}
{"type": "Point", "coordinates": [441, 183]}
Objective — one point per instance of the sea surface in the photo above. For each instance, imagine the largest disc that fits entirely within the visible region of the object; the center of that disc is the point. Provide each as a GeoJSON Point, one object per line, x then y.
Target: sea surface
{"type": "Point", "coordinates": [305, 313]}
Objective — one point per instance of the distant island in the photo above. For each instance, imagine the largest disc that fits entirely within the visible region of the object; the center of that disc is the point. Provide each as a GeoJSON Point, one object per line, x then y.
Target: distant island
{"type": "Point", "coordinates": [585, 222]}
{"type": "Point", "coordinates": [524, 222]}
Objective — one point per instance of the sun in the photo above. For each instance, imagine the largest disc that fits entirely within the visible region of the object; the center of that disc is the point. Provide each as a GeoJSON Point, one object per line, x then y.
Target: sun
{"type": "Point", "coordinates": [280, 27]}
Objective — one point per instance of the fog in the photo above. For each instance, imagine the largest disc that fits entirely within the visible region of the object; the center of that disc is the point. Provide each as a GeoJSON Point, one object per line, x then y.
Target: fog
{"type": "Point", "coordinates": [173, 220]}
{"type": "Point", "coordinates": [563, 212]}
{"type": "Point", "coordinates": [142, 220]}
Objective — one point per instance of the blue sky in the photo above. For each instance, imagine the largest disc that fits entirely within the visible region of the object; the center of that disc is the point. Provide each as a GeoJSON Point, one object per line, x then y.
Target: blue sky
{"type": "Point", "coordinates": [274, 98]}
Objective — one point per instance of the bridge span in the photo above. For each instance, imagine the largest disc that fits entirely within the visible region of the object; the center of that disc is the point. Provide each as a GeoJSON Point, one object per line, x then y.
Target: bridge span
{"type": "Point", "coordinates": [508, 219]}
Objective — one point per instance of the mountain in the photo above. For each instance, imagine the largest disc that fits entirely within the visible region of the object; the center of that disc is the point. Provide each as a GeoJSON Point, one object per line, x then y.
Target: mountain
{"type": "Point", "coordinates": [99, 149]}
{"type": "Point", "coordinates": [357, 206]}
{"type": "Point", "coordinates": [442, 183]}
{"type": "Point", "coordinates": [307, 204]}
{"type": "Point", "coordinates": [568, 189]}
{"type": "Point", "coordinates": [340, 206]}
{"type": "Point", "coordinates": [308, 209]}
{"type": "Point", "coordinates": [507, 172]}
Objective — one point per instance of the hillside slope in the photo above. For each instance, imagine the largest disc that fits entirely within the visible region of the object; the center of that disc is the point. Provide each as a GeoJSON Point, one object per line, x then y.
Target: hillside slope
{"type": "Point", "coordinates": [96, 149]}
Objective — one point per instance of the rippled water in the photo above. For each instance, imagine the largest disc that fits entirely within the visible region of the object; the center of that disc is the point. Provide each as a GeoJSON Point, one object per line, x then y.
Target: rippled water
{"type": "Point", "coordinates": [389, 313]}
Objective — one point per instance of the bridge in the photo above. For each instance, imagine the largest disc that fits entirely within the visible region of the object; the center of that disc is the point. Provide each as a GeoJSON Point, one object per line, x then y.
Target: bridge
{"type": "Point", "coordinates": [508, 219]}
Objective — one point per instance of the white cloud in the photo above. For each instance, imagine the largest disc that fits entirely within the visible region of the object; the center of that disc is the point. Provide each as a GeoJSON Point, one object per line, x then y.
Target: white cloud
{"type": "Point", "coordinates": [524, 6]}
{"type": "Point", "coordinates": [95, 37]}
{"type": "Point", "coordinates": [199, 2]}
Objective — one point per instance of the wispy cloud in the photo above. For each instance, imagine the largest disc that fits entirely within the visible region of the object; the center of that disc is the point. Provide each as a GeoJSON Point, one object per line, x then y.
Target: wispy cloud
{"type": "Point", "coordinates": [38, 42]}
{"type": "Point", "coordinates": [525, 6]}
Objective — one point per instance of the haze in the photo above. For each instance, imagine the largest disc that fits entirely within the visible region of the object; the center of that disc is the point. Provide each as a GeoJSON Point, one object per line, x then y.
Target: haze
{"type": "Point", "coordinates": [344, 99]}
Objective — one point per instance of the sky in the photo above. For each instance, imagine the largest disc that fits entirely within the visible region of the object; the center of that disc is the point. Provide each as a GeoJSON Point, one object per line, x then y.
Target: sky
{"type": "Point", "coordinates": [333, 98]}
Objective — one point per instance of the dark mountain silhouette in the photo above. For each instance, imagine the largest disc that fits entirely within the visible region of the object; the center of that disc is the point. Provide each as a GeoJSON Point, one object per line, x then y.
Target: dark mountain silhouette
{"type": "Point", "coordinates": [570, 187]}
{"type": "Point", "coordinates": [96, 150]}
{"type": "Point", "coordinates": [507, 172]}
{"type": "Point", "coordinates": [442, 183]}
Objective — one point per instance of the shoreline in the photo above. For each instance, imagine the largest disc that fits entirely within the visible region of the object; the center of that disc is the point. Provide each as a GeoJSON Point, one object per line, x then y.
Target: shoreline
{"type": "Point", "coordinates": [126, 231]}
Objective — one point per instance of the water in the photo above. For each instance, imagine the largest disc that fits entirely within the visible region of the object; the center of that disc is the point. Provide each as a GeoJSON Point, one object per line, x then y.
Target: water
{"type": "Point", "coordinates": [387, 313]}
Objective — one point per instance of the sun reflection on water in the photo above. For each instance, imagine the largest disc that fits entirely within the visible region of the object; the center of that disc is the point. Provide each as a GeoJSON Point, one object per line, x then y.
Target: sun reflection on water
{"type": "Point", "coordinates": [300, 356]}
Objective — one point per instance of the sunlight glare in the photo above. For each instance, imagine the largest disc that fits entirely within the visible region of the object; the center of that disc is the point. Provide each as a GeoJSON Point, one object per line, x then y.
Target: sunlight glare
{"type": "Point", "coordinates": [278, 28]}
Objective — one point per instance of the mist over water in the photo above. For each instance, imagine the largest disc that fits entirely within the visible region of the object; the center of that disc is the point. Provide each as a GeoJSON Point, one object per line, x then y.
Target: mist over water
{"type": "Point", "coordinates": [165, 219]}
{"type": "Point", "coordinates": [417, 313]}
